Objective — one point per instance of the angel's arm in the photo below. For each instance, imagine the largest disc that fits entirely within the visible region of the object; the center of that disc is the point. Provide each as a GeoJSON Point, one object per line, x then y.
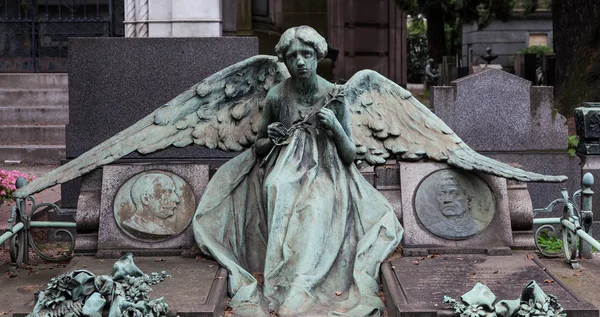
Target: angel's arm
{"type": "Point", "coordinates": [339, 124]}
{"type": "Point", "coordinates": [263, 143]}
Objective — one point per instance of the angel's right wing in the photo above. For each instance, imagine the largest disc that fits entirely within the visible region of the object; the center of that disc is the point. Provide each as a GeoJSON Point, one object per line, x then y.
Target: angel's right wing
{"type": "Point", "coordinates": [223, 111]}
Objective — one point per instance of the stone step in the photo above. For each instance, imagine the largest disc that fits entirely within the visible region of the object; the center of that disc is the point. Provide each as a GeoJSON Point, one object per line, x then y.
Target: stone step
{"type": "Point", "coordinates": [34, 97]}
{"type": "Point", "coordinates": [32, 134]}
{"type": "Point", "coordinates": [33, 154]}
{"type": "Point", "coordinates": [24, 115]}
{"type": "Point", "coordinates": [39, 81]}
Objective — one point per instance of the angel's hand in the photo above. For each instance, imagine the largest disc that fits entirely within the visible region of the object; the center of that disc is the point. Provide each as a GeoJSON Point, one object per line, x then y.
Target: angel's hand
{"type": "Point", "coordinates": [327, 118]}
{"type": "Point", "coordinates": [276, 131]}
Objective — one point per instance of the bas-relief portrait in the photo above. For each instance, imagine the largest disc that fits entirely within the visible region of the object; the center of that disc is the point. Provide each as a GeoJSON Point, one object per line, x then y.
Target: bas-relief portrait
{"type": "Point", "coordinates": [454, 205]}
{"type": "Point", "coordinates": [154, 205]}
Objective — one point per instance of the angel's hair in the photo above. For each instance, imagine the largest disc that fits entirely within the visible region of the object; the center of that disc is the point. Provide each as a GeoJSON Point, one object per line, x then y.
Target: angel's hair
{"type": "Point", "coordinates": [306, 35]}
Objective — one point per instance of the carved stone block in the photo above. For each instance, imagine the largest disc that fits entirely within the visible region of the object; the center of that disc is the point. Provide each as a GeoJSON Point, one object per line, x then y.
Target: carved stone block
{"type": "Point", "coordinates": [587, 123]}
{"type": "Point", "coordinates": [446, 210]}
{"type": "Point", "coordinates": [149, 206]}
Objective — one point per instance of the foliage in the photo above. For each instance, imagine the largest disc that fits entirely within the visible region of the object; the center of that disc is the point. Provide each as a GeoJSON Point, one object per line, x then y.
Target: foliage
{"type": "Point", "coordinates": [550, 243]}
{"type": "Point", "coordinates": [417, 49]}
{"type": "Point", "coordinates": [446, 17]}
{"type": "Point", "coordinates": [7, 183]}
{"type": "Point", "coordinates": [538, 50]}
{"type": "Point", "coordinates": [573, 143]}
{"type": "Point", "coordinates": [467, 11]}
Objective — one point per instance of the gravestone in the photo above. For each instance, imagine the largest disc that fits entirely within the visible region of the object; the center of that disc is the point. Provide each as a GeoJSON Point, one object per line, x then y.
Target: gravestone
{"type": "Point", "coordinates": [126, 79]}
{"type": "Point", "coordinates": [416, 286]}
{"type": "Point", "coordinates": [136, 76]}
{"type": "Point", "coordinates": [502, 116]}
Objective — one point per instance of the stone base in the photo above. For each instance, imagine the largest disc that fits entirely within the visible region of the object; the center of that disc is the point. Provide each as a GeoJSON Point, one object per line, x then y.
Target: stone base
{"type": "Point", "coordinates": [497, 234]}
{"type": "Point", "coordinates": [112, 236]}
{"type": "Point", "coordinates": [415, 286]}
{"type": "Point", "coordinates": [197, 287]}
{"type": "Point", "coordinates": [523, 240]}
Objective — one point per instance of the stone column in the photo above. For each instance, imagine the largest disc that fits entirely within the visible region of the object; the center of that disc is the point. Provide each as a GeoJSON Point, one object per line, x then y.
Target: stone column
{"type": "Point", "coordinates": [173, 18]}
{"type": "Point", "coordinates": [587, 124]}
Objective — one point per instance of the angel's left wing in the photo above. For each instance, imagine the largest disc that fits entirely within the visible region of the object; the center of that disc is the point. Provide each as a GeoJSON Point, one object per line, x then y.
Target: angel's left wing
{"type": "Point", "coordinates": [388, 122]}
{"type": "Point", "coordinates": [223, 111]}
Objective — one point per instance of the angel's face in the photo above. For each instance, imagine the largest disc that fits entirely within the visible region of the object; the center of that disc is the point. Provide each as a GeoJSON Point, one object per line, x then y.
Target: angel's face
{"type": "Point", "coordinates": [301, 60]}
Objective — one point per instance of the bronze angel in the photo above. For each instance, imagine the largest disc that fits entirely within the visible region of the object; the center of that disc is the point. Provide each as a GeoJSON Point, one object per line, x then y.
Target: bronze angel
{"type": "Point", "coordinates": [293, 207]}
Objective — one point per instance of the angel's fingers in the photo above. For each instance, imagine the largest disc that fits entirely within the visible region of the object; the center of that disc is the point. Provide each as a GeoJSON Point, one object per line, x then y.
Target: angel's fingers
{"type": "Point", "coordinates": [279, 130]}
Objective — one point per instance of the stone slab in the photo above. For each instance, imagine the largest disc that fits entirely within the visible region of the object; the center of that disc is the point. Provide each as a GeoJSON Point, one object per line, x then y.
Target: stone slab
{"type": "Point", "coordinates": [112, 237]}
{"type": "Point", "coordinates": [415, 286]}
{"type": "Point", "coordinates": [496, 111]}
{"type": "Point", "coordinates": [497, 234]}
{"type": "Point", "coordinates": [114, 82]}
{"type": "Point", "coordinates": [197, 287]}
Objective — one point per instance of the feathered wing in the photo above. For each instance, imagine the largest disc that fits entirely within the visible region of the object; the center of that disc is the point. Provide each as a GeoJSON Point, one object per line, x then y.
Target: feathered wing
{"type": "Point", "coordinates": [223, 111]}
{"type": "Point", "coordinates": [388, 122]}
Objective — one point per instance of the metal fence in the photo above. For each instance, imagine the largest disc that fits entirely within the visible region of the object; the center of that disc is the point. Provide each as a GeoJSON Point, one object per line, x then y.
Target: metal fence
{"type": "Point", "coordinates": [34, 33]}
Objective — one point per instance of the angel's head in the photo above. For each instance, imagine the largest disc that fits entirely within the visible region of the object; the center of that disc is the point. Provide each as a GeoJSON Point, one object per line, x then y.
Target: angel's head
{"type": "Point", "coordinates": [300, 48]}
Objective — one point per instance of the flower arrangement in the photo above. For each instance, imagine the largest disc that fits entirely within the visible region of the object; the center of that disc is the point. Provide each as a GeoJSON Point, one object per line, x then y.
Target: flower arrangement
{"type": "Point", "coordinates": [7, 183]}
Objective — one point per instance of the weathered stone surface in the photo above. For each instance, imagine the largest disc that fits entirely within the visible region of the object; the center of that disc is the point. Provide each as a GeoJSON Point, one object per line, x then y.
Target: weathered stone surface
{"type": "Point", "coordinates": [497, 234]}
{"type": "Point", "coordinates": [587, 123]}
{"type": "Point", "coordinates": [416, 286]}
{"type": "Point", "coordinates": [496, 111]}
{"type": "Point", "coordinates": [136, 76]}
{"type": "Point", "coordinates": [111, 235]}
{"type": "Point", "coordinates": [88, 217]}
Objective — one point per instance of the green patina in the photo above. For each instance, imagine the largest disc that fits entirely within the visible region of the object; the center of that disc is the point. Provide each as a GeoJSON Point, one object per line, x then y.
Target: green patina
{"type": "Point", "coordinates": [480, 301]}
{"type": "Point", "coordinates": [82, 293]}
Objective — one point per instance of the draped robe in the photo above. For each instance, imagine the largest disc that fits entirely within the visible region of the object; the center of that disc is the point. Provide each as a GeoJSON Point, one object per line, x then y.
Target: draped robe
{"type": "Point", "coordinates": [310, 227]}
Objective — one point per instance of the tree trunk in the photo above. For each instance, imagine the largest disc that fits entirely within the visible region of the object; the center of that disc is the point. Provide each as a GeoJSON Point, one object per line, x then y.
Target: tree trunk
{"type": "Point", "coordinates": [436, 36]}
{"type": "Point", "coordinates": [577, 47]}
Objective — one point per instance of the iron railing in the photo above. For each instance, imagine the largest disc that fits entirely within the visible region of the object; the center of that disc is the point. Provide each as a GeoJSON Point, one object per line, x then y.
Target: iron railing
{"type": "Point", "coordinates": [18, 233]}
{"type": "Point", "coordinates": [575, 224]}
{"type": "Point", "coordinates": [34, 33]}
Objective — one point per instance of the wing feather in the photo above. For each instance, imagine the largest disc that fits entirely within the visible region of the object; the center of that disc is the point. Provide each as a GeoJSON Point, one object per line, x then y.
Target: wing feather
{"type": "Point", "coordinates": [223, 111]}
{"type": "Point", "coordinates": [388, 122]}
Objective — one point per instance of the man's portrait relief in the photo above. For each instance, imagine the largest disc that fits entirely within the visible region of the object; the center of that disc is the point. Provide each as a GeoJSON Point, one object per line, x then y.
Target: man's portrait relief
{"type": "Point", "coordinates": [454, 205]}
{"type": "Point", "coordinates": [154, 205]}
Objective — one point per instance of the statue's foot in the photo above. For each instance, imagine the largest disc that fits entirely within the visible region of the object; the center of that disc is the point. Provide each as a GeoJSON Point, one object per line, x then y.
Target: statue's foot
{"type": "Point", "coordinates": [298, 302]}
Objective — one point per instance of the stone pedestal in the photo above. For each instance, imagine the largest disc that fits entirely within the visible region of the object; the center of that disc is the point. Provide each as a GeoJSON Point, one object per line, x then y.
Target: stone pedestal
{"type": "Point", "coordinates": [445, 210]}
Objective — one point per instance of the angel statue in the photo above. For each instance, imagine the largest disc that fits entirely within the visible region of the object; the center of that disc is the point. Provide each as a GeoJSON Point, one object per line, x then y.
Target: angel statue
{"type": "Point", "coordinates": [298, 228]}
